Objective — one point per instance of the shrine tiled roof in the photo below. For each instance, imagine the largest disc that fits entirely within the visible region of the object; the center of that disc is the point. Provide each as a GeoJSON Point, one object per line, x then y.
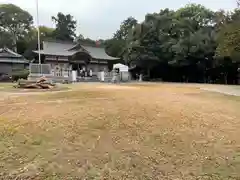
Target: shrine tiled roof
{"type": "Point", "coordinates": [9, 56]}
{"type": "Point", "coordinates": [66, 49]}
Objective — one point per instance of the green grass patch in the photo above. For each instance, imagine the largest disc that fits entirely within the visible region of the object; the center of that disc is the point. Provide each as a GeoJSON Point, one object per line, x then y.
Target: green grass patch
{"type": "Point", "coordinates": [6, 86]}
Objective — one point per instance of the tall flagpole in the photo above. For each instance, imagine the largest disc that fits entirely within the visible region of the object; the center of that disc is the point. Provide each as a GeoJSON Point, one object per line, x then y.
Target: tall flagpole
{"type": "Point", "coordinates": [38, 31]}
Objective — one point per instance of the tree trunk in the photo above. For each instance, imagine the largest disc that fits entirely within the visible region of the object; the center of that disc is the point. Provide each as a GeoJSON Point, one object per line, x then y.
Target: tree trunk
{"type": "Point", "coordinates": [226, 78]}
{"type": "Point", "coordinates": [205, 77]}
{"type": "Point", "coordinates": [149, 72]}
{"type": "Point", "coordinates": [15, 45]}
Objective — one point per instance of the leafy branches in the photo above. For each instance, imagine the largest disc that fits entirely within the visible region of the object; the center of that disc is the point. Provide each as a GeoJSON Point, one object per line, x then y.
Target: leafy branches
{"type": "Point", "coordinates": [65, 27]}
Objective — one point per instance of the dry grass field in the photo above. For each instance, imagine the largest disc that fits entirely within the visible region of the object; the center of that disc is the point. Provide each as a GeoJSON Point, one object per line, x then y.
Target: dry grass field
{"type": "Point", "coordinates": [132, 131]}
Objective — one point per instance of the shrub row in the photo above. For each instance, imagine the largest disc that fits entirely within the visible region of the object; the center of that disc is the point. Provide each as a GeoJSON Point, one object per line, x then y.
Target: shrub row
{"type": "Point", "coordinates": [23, 74]}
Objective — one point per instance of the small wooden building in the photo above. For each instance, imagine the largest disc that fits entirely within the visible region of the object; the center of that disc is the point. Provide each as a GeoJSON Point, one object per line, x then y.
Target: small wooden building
{"type": "Point", "coordinates": [11, 62]}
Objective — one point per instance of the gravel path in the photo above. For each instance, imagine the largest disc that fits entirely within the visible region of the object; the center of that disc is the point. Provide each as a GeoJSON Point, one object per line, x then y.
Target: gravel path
{"type": "Point", "coordinates": [229, 90]}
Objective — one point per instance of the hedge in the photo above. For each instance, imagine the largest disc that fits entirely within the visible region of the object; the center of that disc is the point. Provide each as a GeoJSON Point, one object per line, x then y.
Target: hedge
{"type": "Point", "coordinates": [23, 74]}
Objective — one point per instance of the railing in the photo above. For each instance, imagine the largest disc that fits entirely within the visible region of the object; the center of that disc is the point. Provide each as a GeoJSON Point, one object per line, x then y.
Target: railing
{"type": "Point", "coordinates": [108, 76]}
{"type": "Point", "coordinates": [61, 73]}
{"type": "Point", "coordinates": [40, 69]}
{"type": "Point", "coordinates": [37, 70]}
{"type": "Point", "coordinates": [46, 70]}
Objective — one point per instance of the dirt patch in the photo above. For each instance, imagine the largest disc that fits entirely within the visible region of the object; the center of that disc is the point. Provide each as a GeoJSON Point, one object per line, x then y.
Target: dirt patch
{"type": "Point", "coordinates": [163, 131]}
{"type": "Point", "coordinates": [19, 90]}
{"type": "Point", "coordinates": [14, 92]}
{"type": "Point", "coordinates": [117, 87]}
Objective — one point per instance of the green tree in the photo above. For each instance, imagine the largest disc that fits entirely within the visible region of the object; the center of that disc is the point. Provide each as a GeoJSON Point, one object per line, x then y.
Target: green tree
{"type": "Point", "coordinates": [183, 41]}
{"type": "Point", "coordinates": [195, 31]}
{"type": "Point", "coordinates": [182, 38]}
{"type": "Point", "coordinates": [45, 32]}
{"type": "Point", "coordinates": [115, 46]}
{"type": "Point", "coordinates": [228, 46]}
{"type": "Point", "coordinates": [85, 41]}
{"type": "Point", "coordinates": [6, 40]}
{"type": "Point", "coordinates": [127, 24]}
{"type": "Point", "coordinates": [221, 18]}
{"type": "Point", "coordinates": [229, 41]}
{"type": "Point", "coordinates": [80, 37]}
{"type": "Point", "coordinates": [14, 22]}
{"type": "Point", "coordinates": [229, 38]}
{"type": "Point", "coordinates": [30, 42]}
{"type": "Point", "coordinates": [65, 27]}
{"type": "Point", "coordinates": [143, 46]}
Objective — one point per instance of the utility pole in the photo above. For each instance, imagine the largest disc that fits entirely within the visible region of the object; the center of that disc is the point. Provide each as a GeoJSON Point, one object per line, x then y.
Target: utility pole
{"type": "Point", "coordinates": [39, 43]}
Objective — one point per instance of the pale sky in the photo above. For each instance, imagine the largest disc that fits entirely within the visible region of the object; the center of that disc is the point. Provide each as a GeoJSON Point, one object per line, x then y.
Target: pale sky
{"type": "Point", "coordinates": [101, 18]}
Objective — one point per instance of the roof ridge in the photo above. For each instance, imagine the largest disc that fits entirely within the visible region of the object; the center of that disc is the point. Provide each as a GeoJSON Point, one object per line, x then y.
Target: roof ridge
{"type": "Point", "coordinates": [10, 51]}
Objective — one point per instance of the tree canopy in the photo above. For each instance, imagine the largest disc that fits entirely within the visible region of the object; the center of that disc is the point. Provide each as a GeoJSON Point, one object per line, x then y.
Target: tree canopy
{"type": "Point", "coordinates": [15, 23]}
{"type": "Point", "coordinates": [188, 41]}
{"type": "Point", "coordinates": [229, 38]}
{"type": "Point", "coordinates": [115, 46]}
{"type": "Point", "coordinates": [65, 27]}
{"type": "Point", "coordinates": [127, 24]}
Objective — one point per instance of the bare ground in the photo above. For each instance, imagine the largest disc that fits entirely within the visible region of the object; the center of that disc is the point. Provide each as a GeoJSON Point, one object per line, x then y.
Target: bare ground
{"type": "Point", "coordinates": [134, 131]}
